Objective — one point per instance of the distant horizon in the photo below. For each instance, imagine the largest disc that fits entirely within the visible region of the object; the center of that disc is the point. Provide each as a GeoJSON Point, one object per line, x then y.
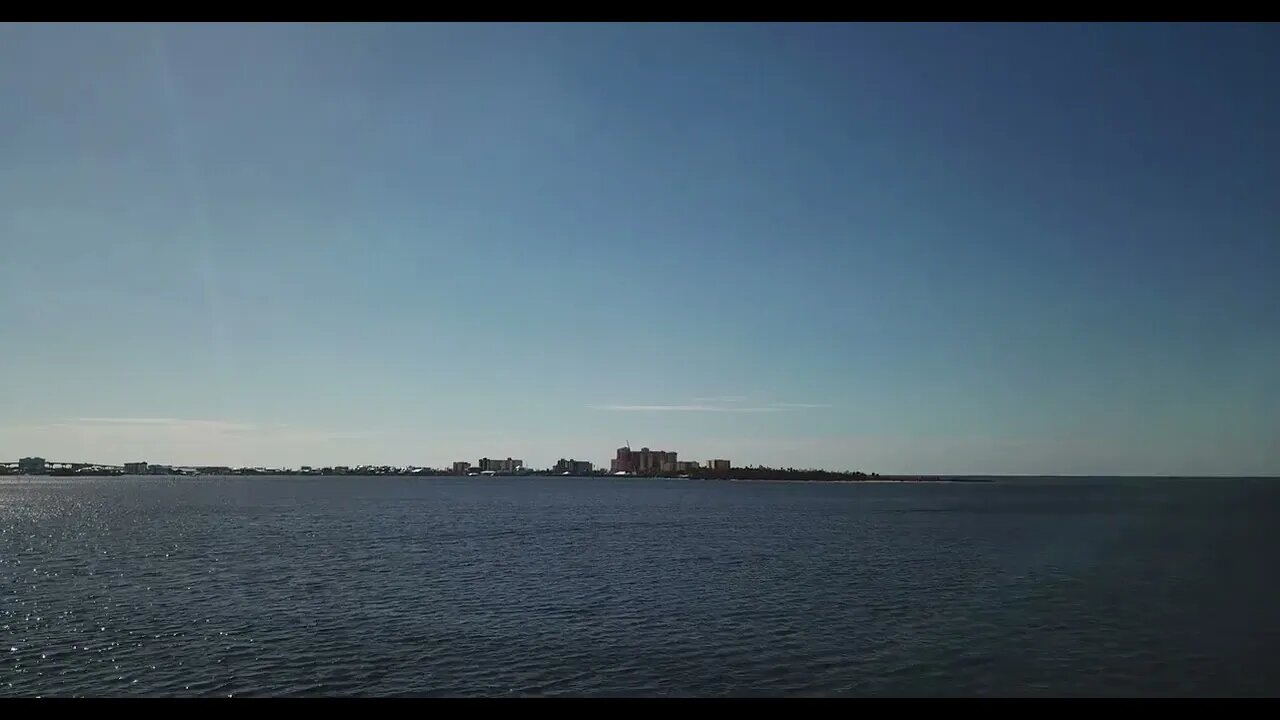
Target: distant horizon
{"type": "Point", "coordinates": [540, 473]}
{"type": "Point", "coordinates": [598, 467]}
{"type": "Point", "coordinates": [893, 248]}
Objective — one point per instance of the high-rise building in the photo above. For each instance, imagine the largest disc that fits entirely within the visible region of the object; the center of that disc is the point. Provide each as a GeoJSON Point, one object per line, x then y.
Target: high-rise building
{"type": "Point", "coordinates": [720, 465]}
{"type": "Point", "coordinates": [623, 462]}
{"type": "Point", "coordinates": [135, 468]}
{"type": "Point", "coordinates": [573, 467]}
{"type": "Point", "coordinates": [461, 467]}
{"type": "Point", "coordinates": [643, 461]}
{"type": "Point", "coordinates": [501, 466]}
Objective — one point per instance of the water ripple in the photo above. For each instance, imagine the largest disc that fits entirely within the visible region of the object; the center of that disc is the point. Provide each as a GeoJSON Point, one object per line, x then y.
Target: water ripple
{"type": "Point", "coordinates": [305, 587]}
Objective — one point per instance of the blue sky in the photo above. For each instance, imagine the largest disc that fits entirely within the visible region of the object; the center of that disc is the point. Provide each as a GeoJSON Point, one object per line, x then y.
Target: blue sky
{"type": "Point", "coordinates": [933, 248]}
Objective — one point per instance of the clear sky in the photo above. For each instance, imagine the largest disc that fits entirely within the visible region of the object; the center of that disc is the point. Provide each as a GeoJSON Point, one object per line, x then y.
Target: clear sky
{"type": "Point", "coordinates": [935, 249]}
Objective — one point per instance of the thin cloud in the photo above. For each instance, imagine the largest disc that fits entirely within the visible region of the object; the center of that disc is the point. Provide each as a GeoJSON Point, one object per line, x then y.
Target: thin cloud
{"type": "Point", "coordinates": [801, 405]}
{"type": "Point", "coordinates": [176, 423]}
{"type": "Point", "coordinates": [720, 404]}
{"type": "Point", "coordinates": [126, 420]}
{"type": "Point", "coordinates": [682, 408]}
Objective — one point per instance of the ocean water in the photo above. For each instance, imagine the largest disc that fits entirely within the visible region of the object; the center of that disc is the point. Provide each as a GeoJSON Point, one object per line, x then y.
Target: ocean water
{"type": "Point", "coordinates": [611, 587]}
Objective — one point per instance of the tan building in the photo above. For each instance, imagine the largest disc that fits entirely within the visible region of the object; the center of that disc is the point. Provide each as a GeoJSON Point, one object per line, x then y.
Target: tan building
{"type": "Point", "coordinates": [643, 461]}
{"type": "Point", "coordinates": [718, 465]}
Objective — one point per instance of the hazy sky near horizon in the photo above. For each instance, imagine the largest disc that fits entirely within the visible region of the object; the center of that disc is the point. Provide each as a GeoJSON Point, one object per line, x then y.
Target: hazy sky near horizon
{"type": "Point", "coordinates": [931, 248]}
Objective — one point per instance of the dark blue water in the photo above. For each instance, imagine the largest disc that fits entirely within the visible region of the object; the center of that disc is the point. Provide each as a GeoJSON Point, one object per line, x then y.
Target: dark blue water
{"type": "Point", "coordinates": [546, 586]}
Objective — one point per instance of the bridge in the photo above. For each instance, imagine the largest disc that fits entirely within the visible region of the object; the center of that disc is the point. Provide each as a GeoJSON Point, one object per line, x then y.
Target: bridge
{"type": "Point", "coordinates": [78, 464]}
{"type": "Point", "coordinates": [55, 467]}
{"type": "Point", "coordinates": [58, 465]}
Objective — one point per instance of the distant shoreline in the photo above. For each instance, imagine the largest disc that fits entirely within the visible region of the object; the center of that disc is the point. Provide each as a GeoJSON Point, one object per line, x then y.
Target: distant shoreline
{"type": "Point", "coordinates": [830, 478]}
{"type": "Point", "coordinates": [877, 479]}
{"type": "Point", "coordinates": [873, 481]}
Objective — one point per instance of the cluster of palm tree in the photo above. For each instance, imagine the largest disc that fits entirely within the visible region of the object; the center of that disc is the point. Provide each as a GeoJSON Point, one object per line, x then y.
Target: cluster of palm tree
{"type": "Point", "coordinates": [761, 472]}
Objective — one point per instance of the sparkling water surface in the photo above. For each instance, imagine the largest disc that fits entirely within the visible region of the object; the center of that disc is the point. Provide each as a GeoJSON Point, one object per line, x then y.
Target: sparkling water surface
{"type": "Point", "coordinates": [635, 587]}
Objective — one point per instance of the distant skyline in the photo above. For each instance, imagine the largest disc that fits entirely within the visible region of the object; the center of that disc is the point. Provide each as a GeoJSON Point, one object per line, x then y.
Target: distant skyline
{"type": "Point", "coordinates": [904, 249]}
